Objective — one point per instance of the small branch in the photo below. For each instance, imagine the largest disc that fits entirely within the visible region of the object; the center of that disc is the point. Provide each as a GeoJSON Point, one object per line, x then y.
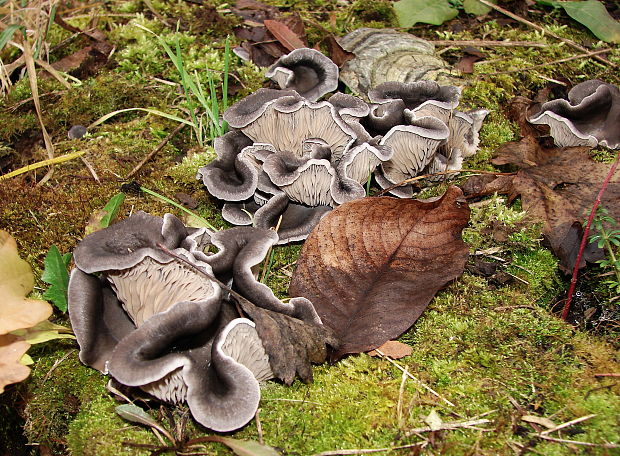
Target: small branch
{"type": "Point", "coordinates": [155, 151]}
{"type": "Point", "coordinates": [554, 62]}
{"type": "Point", "coordinates": [568, 423]}
{"type": "Point", "coordinates": [449, 426]}
{"type": "Point", "coordinates": [607, 375]}
{"type": "Point", "coordinates": [371, 450]}
{"type": "Point", "coordinates": [577, 442]}
{"type": "Point", "coordinates": [454, 171]}
{"type": "Point", "coordinates": [544, 30]}
{"type": "Point", "coordinates": [413, 377]}
{"type": "Point", "coordinates": [488, 43]}
{"type": "Point", "coordinates": [584, 239]}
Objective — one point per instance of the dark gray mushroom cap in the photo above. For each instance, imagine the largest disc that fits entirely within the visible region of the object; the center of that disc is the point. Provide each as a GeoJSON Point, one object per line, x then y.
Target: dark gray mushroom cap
{"type": "Point", "coordinates": [349, 108]}
{"type": "Point", "coordinates": [253, 106]}
{"type": "Point", "coordinates": [240, 250]}
{"type": "Point", "coordinates": [287, 122]}
{"type": "Point", "coordinates": [232, 176]}
{"type": "Point", "coordinates": [589, 117]}
{"type": "Point", "coordinates": [306, 71]}
{"type": "Point", "coordinates": [415, 94]}
{"type": "Point", "coordinates": [385, 115]}
{"type": "Point", "coordinates": [294, 221]}
{"type": "Point", "coordinates": [128, 242]}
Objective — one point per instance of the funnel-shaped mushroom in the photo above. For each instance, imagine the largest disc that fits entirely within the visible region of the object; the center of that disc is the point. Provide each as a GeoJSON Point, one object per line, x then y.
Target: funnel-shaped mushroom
{"type": "Point", "coordinates": [414, 147]}
{"type": "Point", "coordinates": [590, 116]}
{"type": "Point", "coordinates": [307, 71]}
{"type": "Point", "coordinates": [155, 317]}
{"type": "Point", "coordinates": [288, 121]}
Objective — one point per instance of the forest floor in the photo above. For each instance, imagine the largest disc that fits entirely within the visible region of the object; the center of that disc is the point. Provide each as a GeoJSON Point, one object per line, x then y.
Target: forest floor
{"type": "Point", "coordinates": [492, 344]}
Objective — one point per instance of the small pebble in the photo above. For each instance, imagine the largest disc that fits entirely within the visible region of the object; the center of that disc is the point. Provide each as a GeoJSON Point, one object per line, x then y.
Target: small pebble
{"type": "Point", "coordinates": [76, 132]}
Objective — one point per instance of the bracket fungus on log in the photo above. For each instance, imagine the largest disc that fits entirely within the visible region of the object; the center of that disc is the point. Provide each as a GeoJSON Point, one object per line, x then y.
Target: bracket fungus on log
{"type": "Point", "coordinates": [590, 116]}
{"type": "Point", "coordinates": [148, 307]}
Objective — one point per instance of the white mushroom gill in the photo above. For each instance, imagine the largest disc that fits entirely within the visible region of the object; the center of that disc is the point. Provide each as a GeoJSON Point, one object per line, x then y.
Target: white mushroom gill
{"type": "Point", "coordinates": [412, 151]}
{"type": "Point", "coordinates": [288, 131]}
{"type": "Point", "coordinates": [363, 164]}
{"type": "Point", "coordinates": [171, 388]}
{"type": "Point", "coordinates": [563, 131]}
{"type": "Point", "coordinates": [151, 287]}
{"type": "Point", "coordinates": [243, 344]}
{"type": "Point", "coordinates": [312, 186]}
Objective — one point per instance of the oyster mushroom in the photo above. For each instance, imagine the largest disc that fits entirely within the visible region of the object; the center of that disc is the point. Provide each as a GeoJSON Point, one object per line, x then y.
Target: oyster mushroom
{"type": "Point", "coordinates": [307, 71]}
{"type": "Point", "coordinates": [590, 116]}
{"type": "Point", "coordinates": [145, 311]}
{"type": "Point", "coordinates": [414, 147]}
{"type": "Point", "coordinates": [287, 121]}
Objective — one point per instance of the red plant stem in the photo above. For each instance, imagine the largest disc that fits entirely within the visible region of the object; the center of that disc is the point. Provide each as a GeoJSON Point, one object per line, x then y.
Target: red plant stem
{"type": "Point", "coordinates": [584, 239]}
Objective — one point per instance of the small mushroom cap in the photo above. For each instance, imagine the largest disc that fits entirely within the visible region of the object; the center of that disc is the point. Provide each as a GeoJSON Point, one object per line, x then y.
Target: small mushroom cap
{"type": "Point", "coordinates": [386, 115]}
{"type": "Point", "coordinates": [417, 95]}
{"type": "Point", "coordinates": [590, 116]}
{"type": "Point", "coordinates": [242, 343]}
{"type": "Point", "coordinates": [361, 161]}
{"type": "Point", "coordinates": [233, 176]}
{"type": "Point", "coordinates": [349, 108]}
{"type": "Point", "coordinates": [305, 180]}
{"type": "Point", "coordinates": [306, 71]}
{"type": "Point", "coordinates": [464, 137]}
{"type": "Point", "coordinates": [414, 147]}
{"type": "Point", "coordinates": [294, 221]}
{"type": "Point", "coordinates": [126, 243]}
{"type": "Point", "coordinates": [253, 106]}
{"type": "Point", "coordinates": [288, 121]}
{"type": "Point", "coordinates": [240, 250]}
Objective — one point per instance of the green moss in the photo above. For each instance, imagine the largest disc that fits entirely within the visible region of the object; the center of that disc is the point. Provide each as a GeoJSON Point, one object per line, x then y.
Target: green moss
{"type": "Point", "coordinates": [98, 430]}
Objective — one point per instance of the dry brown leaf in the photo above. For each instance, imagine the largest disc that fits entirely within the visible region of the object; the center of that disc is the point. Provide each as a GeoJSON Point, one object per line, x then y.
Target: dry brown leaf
{"type": "Point", "coordinates": [16, 281]}
{"type": "Point", "coordinates": [392, 348]}
{"type": "Point", "coordinates": [284, 35]}
{"type": "Point", "coordinates": [372, 265]}
{"type": "Point", "coordinates": [558, 187]}
{"type": "Point", "coordinates": [12, 348]}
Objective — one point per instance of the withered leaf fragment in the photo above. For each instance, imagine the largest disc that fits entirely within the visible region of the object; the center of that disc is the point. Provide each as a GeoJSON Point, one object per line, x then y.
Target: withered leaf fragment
{"type": "Point", "coordinates": [558, 187]}
{"type": "Point", "coordinates": [372, 265]}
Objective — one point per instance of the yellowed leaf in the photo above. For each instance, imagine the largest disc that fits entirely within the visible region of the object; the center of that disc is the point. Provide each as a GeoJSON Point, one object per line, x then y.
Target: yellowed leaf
{"type": "Point", "coordinates": [12, 348]}
{"type": "Point", "coordinates": [16, 281]}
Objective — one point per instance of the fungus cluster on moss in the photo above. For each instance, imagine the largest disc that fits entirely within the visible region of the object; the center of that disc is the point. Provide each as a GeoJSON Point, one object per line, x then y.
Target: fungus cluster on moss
{"type": "Point", "coordinates": [289, 158]}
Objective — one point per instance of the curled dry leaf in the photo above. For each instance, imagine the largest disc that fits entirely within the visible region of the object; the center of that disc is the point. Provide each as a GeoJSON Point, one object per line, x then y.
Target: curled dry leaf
{"type": "Point", "coordinates": [12, 348]}
{"type": "Point", "coordinates": [292, 344]}
{"type": "Point", "coordinates": [16, 281]}
{"type": "Point", "coordinates": [558, 187]}
{"type": "Point", "coordinates": [372, 265]}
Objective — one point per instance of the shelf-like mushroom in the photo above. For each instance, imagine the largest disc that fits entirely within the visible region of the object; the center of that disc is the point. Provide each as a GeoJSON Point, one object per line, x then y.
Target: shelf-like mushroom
{"type": "Point", "coordinates": [307, 71]}
{"type": "Point", "coordinates": [590, 116]}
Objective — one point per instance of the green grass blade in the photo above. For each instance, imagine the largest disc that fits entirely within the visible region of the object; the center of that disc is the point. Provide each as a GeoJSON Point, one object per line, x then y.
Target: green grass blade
{"type": "Point", "coordinates": [178, 206]}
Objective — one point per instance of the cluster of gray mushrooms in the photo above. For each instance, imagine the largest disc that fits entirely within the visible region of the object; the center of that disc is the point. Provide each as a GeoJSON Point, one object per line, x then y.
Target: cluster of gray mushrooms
{"type": "Point", "coordinates": [149, 301]}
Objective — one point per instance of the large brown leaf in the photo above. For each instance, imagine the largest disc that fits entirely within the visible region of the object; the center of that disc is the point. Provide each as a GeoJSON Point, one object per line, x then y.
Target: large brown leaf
{"type": "Point", "coordinates": [372, 265]}
{"type": "Point", "coordinates": [558, 187]}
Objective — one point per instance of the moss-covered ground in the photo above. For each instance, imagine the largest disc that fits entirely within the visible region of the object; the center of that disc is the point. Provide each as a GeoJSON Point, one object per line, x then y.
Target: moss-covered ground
{"type": "Point", "coordinates": [489, 346]}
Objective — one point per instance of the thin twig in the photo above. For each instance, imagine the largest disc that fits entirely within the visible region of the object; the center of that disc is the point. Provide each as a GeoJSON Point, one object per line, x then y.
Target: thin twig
{"type": "Point", "coordinates": [90, 168]}
{"type": "Point", "coordinates": [607, 375]}
{"type": "Point", "coordinates": [488, 43]}
{"type": "Point", "coordinates": [55, 365]}
{"type": "Point", "coordinates": [454, 171]}
{"type": "Point", "coordinates": [577, 442]}
{"type": "Point", "coordinates": [571, 43]}
{"type": "Point", "coordinates": [259, 427]}
{"type": "Point", "coordinates": [155, 151]}
{"type": "Point", "coordinates": [449, 426]}
{"type": "Point", "coordinates": [568, 423]}
{"type": "Point", "coordinates": [584, 239]}
{"type": "Point", "coordinates": [554, 62]}
{"type": "Point", "coordinates": [413, 377]}
{"type": "Point", "coordinates": [371, 450]}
